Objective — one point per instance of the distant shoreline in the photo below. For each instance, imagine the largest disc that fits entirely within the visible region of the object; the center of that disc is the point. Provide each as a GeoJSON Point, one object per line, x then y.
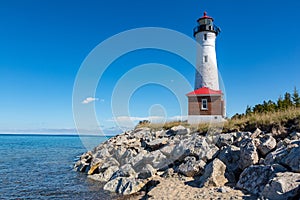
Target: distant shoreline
{"type": "Point", "coordinates": [52, 134]}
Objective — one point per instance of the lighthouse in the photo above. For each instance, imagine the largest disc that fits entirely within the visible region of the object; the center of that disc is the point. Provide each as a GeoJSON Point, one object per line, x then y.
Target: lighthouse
{"type": "Point", "coordinates": [206, 103]}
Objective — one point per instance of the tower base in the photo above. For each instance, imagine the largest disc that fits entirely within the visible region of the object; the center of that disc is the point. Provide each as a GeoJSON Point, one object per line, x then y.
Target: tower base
{"type": "Point", "coordinates": [197, 119]}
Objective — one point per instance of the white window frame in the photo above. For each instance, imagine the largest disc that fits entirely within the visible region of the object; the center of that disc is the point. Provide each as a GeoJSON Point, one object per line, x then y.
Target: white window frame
{"type": "Point", "coordinates": [202, 104]}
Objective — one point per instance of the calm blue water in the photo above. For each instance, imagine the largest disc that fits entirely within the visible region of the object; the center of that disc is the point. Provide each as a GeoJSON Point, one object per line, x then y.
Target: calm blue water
{"type": "Point", "coordinates": [40, 167]}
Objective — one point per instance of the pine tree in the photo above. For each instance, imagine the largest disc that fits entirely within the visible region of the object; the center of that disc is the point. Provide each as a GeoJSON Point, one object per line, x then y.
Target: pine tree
{"type": "Point", "coordinates": [287, 100]}
{"type": "Point", "coordinates": [296, 98]}
{"type": "Point", "coordinates": [280, 104]}
{"type": "Point", "coordinates": [248, 110]}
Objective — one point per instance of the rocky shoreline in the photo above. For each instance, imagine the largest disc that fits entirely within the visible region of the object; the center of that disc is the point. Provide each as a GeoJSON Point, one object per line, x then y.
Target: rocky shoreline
{"type": "Point", "coordinates": [178, 163]}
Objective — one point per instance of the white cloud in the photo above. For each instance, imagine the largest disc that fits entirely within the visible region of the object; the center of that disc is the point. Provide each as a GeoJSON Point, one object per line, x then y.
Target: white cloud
{"type": "Point", "coordinates": [90, 99]}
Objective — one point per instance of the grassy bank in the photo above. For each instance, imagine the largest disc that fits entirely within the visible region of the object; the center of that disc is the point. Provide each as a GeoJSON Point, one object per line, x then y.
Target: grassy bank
{"type": "Point", "coordinates": [288, 120]}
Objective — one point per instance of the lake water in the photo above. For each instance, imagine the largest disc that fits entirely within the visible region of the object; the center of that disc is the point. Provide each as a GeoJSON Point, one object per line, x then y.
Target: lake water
{"type": "Point", "coordinates": [40, 167]}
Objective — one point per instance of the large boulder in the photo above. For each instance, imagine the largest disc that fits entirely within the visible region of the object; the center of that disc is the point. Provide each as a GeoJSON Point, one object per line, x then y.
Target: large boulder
{"type": "Point", "coordinates": [254, 178]}
{"type": "Point", "coordinates": [248, 153]}
{"type": "Point", "coordinates": [293, 159]}
{"type": "Point", "coordinates": [155, 158]}
{"type": "Point", "coordinates": [283, 186]}
{"type": "Point", "coordinates": [214, 174]}
{"type": "Point", "coordinates": [83, 164]}
{"type": "Point", "coordinates": [156, 144]}
{"type": "Point", "coordinates": [230, 156]}
{"type": "Point", "coordinates": [200, 148]}
{"type": "Point", "coordinates": [105, 175]}
{"type": "Point", "coordinates": [124, 171]}
{"type": "Point", "coordinates": [286, 155]}
{"type": "Point", "coordinates": [191, 167]}
{"type": "Point", "coordinates": [127, 156]}
{"type": "Point", "coordinates": [225, 140]}
{"type": "Point", "coordinates": [146, 172]}
{"type": "Point", "coordinates": [124, 186]}
{"type": "Point", "coordinates": [180, 130]}
{"type": "Point", "coordinates": [266, 144]}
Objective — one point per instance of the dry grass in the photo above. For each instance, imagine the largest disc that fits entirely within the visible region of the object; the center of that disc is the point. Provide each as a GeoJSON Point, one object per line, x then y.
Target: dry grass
{"type": "Point", "coordinates": [264, 121]}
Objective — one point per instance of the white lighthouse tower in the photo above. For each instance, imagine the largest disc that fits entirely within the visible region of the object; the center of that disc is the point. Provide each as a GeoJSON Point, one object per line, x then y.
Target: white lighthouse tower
{"type": "Point", "coordinates": [206, 102]}
{"type": "Point", "coordinates": [207, 71]}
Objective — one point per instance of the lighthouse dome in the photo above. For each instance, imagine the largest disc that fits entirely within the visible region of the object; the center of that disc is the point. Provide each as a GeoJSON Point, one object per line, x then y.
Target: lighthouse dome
{"type": "Point", "coordinates": [206, 23]}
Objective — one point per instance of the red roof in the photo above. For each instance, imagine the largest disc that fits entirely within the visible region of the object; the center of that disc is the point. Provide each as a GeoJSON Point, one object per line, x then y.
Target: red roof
{"type": "Point", "coordinates": [205, 91]}
{"type": "Point", "coordinates": [205, 16]}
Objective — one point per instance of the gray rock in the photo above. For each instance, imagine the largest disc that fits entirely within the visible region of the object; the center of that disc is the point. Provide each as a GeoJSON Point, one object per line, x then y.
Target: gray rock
{"type": "Point", "coordinates": [129, 153]}
{"type": "Point", "coordinates": [248, 153]}
{"type": "Point", "coordinates": [254, 178]}
{"type": "Point", "coordinates": [175, 151]}
{"type": "Point", "coordinates": [199, 147]}
{"type": "Point", "coordinates": [256, 133]}
{"type": "Point", "coordinates": [180, 130]}
{"type": "Point", "coordinates": [266, 144]}
{"type": "Point", "coordinates": [124, 186]}
{"type": "Point", "coordinates": [83, 167]}
{"type": "Point", "coordinates": [191, 167]}
{"type": "Point", "coordinates": [225, 140]}
{"type": "Point", "coordinates": [222, 190]}
{"type": "Point", "coordinates": [295, 136]}
{"type": "Point", "coordinates": [118, 152]}
{"type": "Point", "coordinates": [108, 163]}
{"type": "Point", "coordinates": [230, 156]}
{"type": "Point", "coordinates": [155, 158]}
{"type": "Point", "coordinates": [156, 144]}
{"type": "Point", "coordinates": [124, 171]}
{"type": "Point", "coordinates": [276, 156]}
{"type": "Point", "coordinates": [146, 172]}
{"type": "Point", "coordinates": [286, 155]}
{"type": "Point", "coordinates": [168, 149]}
{"type": "Point", "coordinates": [282, 186]}
{"type": "Point", "coordinates": [293, 159]}
{"type": "Point", "coordinates": [279, 132]}
{"type": "Point", "coordinates": [160, 134]}
{"type": "Point", "coordinates": [105, 175]}
{"type": "Point", "coordinates": [214, 174]}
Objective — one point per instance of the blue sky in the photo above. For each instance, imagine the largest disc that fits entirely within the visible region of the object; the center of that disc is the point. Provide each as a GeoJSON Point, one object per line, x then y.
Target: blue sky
{"type": "Point", "coordinates": [43, 44]}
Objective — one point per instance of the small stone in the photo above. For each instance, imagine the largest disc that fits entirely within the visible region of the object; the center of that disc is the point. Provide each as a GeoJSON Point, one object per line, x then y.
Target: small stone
{"type": "Point", "coordinates": [256, 133]}
{"type": "Point", "coordinates": [222, 190]}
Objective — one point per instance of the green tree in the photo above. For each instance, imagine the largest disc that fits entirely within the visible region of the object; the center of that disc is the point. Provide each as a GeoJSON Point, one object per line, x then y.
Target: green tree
{"type": "Point", "coordinates": [248, 110]}
{"type": "Point", "coordinates": [296, 98]}
{"type": "Point", "coordinates": [280, 104]}
{"type": "Point", "coordinates": [287, 100]}
{"type": "Point", "coordinates": [271, 106]}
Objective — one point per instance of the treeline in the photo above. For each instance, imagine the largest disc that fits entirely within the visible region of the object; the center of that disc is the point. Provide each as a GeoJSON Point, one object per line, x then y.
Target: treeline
{"type": "Point", "coordinates": [284, 102]}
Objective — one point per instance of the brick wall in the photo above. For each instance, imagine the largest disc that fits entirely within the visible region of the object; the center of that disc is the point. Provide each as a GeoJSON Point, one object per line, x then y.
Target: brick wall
{"type": "Point", "coordinates": [215, 105]}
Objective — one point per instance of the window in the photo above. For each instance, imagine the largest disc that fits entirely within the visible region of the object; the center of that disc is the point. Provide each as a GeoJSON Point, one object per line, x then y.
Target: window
{"type": "Point", "coordinates": [205, 59]}
{"type": "Point", "coordinates": [204, 105]}
{"type": "Point", "coordinates": [205, 36]}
